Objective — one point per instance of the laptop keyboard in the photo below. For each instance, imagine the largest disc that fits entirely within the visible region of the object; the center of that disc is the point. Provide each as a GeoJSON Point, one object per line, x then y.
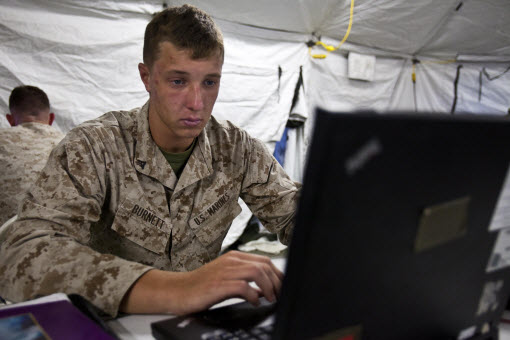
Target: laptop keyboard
{"type": "Point", "coordinates": [239, 321]}
{"type": "Point", "coordinates": [256, 333]}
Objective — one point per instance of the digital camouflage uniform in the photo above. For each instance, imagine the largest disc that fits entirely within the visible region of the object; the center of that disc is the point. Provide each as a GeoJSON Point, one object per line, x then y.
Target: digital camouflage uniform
{"type": "Point", "coordinates": [108, 187]}
{"type": "Point", "coordinates": [24, 150]}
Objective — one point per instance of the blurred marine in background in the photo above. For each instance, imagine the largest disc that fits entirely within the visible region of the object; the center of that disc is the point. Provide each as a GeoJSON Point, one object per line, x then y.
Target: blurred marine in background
{"type": "Point", "coordinates": [25, 147]}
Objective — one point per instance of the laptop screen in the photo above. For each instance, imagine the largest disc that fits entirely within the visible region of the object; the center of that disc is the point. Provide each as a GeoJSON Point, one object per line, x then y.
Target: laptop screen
{"type": "Point", "coordinates": [392, 236]}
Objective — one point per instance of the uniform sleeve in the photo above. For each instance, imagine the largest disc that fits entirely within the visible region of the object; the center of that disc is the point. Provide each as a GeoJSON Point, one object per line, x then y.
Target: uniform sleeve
{"type": "Point", "coordinates": [45, 250]}
{"type": "Point", "coordinates": [269, 192]}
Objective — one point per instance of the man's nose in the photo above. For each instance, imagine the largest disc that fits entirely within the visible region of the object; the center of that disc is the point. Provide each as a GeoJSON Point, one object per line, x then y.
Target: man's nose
{"type": "Point", "coordinates": [195, 100]}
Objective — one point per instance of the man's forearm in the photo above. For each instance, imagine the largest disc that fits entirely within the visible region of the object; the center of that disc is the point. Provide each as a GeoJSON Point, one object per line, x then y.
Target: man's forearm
{"type": "Point", "coordinates": [180, 293]}
{"type": "Point", "coordinates": [152, 293]}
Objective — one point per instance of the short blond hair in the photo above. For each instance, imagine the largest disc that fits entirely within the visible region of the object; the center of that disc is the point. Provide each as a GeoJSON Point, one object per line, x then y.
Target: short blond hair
{"type": "Point", "coordinates": [186, 27]}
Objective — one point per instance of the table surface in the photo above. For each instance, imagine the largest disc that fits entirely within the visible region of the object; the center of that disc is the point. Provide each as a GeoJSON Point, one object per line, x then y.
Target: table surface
{"type": "Point", "coordinates": [137, 327]}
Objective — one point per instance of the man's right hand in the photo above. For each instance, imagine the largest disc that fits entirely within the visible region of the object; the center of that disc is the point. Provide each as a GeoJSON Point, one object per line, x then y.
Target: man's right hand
{"type": "Point", "coordinates": [226, 277]}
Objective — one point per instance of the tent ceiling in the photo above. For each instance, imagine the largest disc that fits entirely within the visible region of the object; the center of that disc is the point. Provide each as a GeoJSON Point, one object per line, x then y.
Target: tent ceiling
{"type": "Point", "coordinates": [426, 27]}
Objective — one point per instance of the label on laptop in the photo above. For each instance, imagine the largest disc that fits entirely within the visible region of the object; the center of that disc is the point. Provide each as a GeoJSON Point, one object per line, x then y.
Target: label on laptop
{"type": "Point", "coordinates": [501, 217]}
{"type": "Point", "coordinates": [500, 257]}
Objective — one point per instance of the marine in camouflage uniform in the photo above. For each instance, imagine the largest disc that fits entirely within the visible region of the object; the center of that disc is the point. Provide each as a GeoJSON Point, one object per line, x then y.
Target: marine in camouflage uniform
{"type": "Point", "coordinates": [24, 150]}
{"type": "Point", "coordinates": [108, 207]}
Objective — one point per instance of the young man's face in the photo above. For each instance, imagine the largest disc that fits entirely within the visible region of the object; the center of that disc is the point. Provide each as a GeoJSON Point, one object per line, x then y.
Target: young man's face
{"type": "Point", "coordinates": [182, 95]}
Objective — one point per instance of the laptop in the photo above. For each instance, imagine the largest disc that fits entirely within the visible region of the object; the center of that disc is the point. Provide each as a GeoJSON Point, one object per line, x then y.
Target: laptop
{"type": "Point", "coordinates": [400, 234]}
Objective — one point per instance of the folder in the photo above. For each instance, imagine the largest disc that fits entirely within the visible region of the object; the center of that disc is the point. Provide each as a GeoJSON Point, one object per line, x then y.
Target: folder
{"type": "Point", "coordinates": [53, 320]}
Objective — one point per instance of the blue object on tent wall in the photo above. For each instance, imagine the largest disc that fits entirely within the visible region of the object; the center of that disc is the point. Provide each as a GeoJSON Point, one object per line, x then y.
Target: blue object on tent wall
{"type": "Point", "coordinates": [280, 148]}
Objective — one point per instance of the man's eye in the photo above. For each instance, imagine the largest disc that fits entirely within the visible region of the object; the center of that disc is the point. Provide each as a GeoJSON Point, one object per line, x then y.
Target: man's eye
{"type": "Point", "coordinates": [177, 81]}
{"type": "Point", "coordinates": [209, 82]}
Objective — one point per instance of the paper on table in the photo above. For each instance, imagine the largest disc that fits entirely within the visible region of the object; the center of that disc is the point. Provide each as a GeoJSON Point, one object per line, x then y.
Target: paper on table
{"type": "Point", "coordinates": [44, 299]}
{"type": "Point", "coordinates": [501, 216]}
{"type": "Point", "coordinates": [500, 257]}
{"type": "Point", "coordinates": [264, 245]}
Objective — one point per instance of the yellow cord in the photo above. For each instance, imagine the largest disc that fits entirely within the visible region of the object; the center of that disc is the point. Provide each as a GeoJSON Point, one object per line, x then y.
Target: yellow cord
{"type": "Point", "coordinates": [447, 61]}
{"type": "Point", "coordinates": [330, 48]}
{"type": "Point", "coordinates": [316, 56]}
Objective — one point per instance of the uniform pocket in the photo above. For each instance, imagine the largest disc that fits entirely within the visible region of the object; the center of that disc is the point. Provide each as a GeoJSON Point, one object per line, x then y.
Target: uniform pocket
{"type": "Point", "coordinates": [136, 222]}
{"type": "Point", "coordinates": [211, 225]}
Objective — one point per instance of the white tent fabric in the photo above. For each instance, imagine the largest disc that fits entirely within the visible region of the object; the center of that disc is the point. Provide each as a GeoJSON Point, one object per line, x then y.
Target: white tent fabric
{"type": "Point", "coordinates": [84, 54]}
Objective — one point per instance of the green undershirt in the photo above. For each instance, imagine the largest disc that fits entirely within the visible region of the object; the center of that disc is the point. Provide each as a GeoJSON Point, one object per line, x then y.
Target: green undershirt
{"type": "Point", "coordinates": [178, 160]}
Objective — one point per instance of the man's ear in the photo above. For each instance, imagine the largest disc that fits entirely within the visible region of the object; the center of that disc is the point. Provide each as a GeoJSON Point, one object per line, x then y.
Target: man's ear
{"type": "Point", "coordinates": [11, 119]}
{"type": "Point", "coordinates": [145, 75]}
{"type": "Point", "coordinates": [51, 119]}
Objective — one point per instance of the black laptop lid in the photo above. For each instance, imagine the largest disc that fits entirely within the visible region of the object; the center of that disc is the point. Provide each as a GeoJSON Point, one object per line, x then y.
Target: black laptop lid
{"type": "Point", "coordinates": [392, 237]}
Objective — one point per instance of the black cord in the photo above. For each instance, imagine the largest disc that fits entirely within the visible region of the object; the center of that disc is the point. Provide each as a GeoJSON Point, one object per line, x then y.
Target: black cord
{"type": "Point", "coordinates": [480, 80]}
{"type": "Point", "coordinates": [495, 77]}
{"type": "Point", "coordinates": [455, 88]}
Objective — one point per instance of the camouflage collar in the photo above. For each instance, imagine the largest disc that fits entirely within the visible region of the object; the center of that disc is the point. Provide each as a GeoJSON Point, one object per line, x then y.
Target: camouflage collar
{"type": "Point", "coordinates": [36, 126]}
{"type": "Point", "coordinates": [150, 161]}
{"type": "Point", "coordinates": [199, 163]}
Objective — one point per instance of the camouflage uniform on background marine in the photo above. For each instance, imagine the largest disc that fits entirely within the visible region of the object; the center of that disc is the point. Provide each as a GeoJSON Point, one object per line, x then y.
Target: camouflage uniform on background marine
{"type": "Point", "coordinates": [24, 150]}
{"type": "Point", "coordinates": [117, 209]}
